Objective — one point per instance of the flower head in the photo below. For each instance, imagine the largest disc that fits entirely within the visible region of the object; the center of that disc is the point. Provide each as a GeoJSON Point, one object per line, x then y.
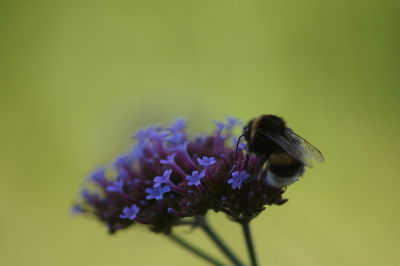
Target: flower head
{"type": "Point", "coordinates": [168, 175]}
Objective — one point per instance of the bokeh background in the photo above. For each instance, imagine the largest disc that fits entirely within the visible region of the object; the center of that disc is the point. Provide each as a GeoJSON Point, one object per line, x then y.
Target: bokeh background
{"type": "Point", "coordinates": [77, 78]}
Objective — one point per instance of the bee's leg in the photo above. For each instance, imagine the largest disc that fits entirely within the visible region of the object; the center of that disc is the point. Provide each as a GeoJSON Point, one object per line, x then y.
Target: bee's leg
{"type": "Point", "coordinates": [260, 168]}
{"type": "Point", "coordinates": [246, 162]}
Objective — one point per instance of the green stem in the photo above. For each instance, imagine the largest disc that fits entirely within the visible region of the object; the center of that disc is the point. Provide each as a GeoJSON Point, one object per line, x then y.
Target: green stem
{"type": "Point", "coordinates": [218, 241]}
{"type": "Point", "coordinates": [249, 243]}
{"type": "Point", "coordinates": [183, 243]}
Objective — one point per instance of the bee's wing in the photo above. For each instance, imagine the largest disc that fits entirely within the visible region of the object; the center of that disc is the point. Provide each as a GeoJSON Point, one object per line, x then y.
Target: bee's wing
{"type": "Point", "coordinates": [297, 147]}
{"type": "Point", "coordinates": [309, 152]}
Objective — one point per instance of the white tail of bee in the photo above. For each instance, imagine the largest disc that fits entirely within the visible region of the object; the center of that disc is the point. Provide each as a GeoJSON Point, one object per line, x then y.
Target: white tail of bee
{"type": "Point", "coordinates": [277, 181]}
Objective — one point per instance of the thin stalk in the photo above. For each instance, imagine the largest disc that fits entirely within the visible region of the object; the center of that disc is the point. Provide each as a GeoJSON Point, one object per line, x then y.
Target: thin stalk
{"type": "Point", "coordinates": [249, 243]}
{"type": "Point", "coordinates": [219, 242]}
{"type": "Point", "coordinates": [183, 243]}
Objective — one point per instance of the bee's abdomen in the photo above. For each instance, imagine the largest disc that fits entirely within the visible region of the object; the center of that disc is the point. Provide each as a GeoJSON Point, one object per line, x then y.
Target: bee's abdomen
{"type": "Point", "coordinates": [284, 165]}
{"type": "Point", "coordinates": [283, 170]}
{"type": "Point", "coordinates": [286, 170]}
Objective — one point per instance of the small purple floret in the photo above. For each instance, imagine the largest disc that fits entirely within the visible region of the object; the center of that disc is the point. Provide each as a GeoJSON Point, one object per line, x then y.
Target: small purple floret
{"type": "Point", "coordinates": [116, 186]}
{"type": "Point", "coordinates": [159, 135]}
{"type": "Point", "coordinates": [130, 212]}
{"type": "Point", "coordinates": [145, 133]}
{"type": "Point", "coordinates": [137, 151]}
{"type": "Point", "coordinates": [178, 125]}
{"type": "Point", "coordinates": [195, 178]}
{"type": "Point", "coordinates": [206, 161]}
{"type": "Point", "coordinates": [182, 147]}
{"type": "Point", "coordinates": [176, 139]}
{"type": "Point", "coordinates": [157, 193]}
{"type": "Point", "coordinates": [98, 175]}
{"type": "Point", "coordinates": [232, 121]}
{"type": "Point", "coordinates": [220, 126]}
{"type": "Point", "coordinates": [159, 180]}
{"type": "Point", "coordinates": [238, 178]}
{"type": "Point", "coordinates": [170, 159]}
{"type": "Point", "coordinates": [76, 209]}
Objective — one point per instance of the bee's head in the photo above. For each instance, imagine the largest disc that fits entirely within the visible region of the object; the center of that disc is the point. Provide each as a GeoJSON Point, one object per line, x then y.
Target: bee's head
{"type": "Point", "coordinates": [247, 130]}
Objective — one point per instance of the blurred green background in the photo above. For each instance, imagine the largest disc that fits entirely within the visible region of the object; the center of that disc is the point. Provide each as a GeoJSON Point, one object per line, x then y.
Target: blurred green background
{"type": "Point", "coordinates": [77, 78]}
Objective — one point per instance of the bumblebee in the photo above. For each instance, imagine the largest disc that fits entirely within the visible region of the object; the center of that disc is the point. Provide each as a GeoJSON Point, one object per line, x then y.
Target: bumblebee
{"type": "Point", "coordinates": [286, 153]}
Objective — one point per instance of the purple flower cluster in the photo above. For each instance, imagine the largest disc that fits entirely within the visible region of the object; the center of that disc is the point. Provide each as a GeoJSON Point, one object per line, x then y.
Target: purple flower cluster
{"type": "Point", "coordinates": [168, 175]}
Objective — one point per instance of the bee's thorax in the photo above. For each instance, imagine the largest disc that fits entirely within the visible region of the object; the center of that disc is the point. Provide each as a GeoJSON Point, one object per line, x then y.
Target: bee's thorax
{"type": "Point", "coordinates": [271, 123]}
{"type": "Point", "coordinates": [256, 130]}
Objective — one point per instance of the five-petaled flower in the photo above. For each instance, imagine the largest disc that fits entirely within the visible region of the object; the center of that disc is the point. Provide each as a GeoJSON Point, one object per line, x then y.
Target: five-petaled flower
{"type": "Point", "coordinates": [195, 178]}
{"type": "Point", "coordinates": [206, 161]}
{"type": "Point", "coordinates": [157, 193]}
{"type": "Point", "coordinates": [130, 212]}
{"type": "Point", "coordinates": [238, 178]}
{"type": "Point", "coordinates": [164, 179]}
